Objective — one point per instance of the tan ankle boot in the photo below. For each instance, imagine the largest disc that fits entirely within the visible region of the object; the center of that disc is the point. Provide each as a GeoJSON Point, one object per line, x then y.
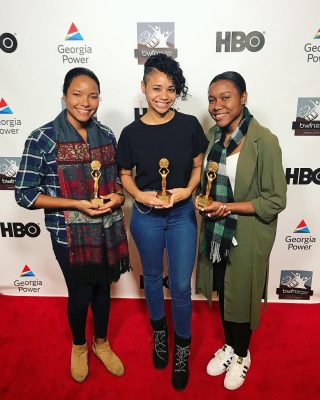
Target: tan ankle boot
{"type": "Point", "coordinates": [79, 362]}
{"type": "Point", "coordinates": [109, 359]}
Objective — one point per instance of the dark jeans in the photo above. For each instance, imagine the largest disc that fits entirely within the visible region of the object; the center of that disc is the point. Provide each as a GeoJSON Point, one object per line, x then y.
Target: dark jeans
{"type": "Point", "coordinates": [176, 230]}
{"type": "Point", "coordinates": [80, 297]}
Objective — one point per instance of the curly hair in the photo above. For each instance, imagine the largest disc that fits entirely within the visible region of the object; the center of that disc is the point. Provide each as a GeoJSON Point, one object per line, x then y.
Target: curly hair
{"type": "Point", "coordinates": [171, 68]}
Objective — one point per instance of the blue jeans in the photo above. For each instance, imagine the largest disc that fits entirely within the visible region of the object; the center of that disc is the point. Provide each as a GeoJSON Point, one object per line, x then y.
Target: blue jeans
{"type": "Point", "coordinates": [176, 230]}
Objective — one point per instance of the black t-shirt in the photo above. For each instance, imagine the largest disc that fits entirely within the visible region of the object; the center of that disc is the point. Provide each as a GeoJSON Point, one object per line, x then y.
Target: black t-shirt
{"type": "Point", "coordinates": [142, 146]}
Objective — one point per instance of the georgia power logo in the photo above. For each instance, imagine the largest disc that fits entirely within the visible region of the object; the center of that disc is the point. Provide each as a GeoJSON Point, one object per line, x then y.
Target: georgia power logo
{"type": "Point", "coordinates": [313, 49]}
{"type": "Point", "coordinates": [29, 283]}
{"type": "Point", "coordinates": [154, 38]}
{"type": "Point", "coordinates": [238, 41]}
{"type": "Point", "coordinates": [295, 285]}
{"type": "Point", "coordinates": [8, 170]}
{"type": "Point", "coordinates": [8, 42]}
{"type": "Point", "coordinates": [8, 125]}
{"type": "Point", "coordinates": [77, 52]}
{"type": "Point", "coordinates": [301, 238]}
{"type": "Point", "coordinates": [307, 122]}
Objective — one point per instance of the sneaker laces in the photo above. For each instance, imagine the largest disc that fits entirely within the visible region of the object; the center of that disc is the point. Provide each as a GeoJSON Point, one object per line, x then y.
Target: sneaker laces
{"type": "Point", "coordinates": [224, 355]}
{"type": "Point", "coordinates": [160, 342]}
{"type": "Point", "coordinates": [181, 358]}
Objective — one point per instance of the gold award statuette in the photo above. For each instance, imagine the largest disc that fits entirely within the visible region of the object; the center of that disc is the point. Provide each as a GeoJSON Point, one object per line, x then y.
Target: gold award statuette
{"type": "Point", "coordinates": [164, 195]}
{"type": "Point", "coordinates": [95, 173]}
{"type": "Point", "coordinates": [204, 199]}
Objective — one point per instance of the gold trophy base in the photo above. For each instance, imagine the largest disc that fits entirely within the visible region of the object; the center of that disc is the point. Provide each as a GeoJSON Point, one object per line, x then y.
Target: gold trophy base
{"type": "Point", "coordinates": [165, 197]}
{"type": "Point", "coordinates": [204, 201]}
{"type": "Point", "coordinates": [97, 201]}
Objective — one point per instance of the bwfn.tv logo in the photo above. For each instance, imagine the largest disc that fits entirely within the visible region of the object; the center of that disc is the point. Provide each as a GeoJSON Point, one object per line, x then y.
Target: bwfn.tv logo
{"type": "Point", "coordinates": [154, 38]}
{"type": "Point", "coordinates": [307, 122]}
{"type": "Point", "coordinates": [237, 41]}
{"type": "Point", "coordinates": [295, 285]}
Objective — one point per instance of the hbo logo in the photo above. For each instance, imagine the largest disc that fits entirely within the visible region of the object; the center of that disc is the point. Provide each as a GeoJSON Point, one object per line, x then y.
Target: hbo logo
{"type": "Point", "coordinates": [238, 41]}
{"type": "Point", "coordinates": [16, 229]}
{"type": "Point", "coordinates": [8, 42]}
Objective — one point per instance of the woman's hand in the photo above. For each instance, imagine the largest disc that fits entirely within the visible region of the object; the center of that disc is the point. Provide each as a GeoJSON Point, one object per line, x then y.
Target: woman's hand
{"type": "Point", "coordinates": [149, 199]}
{"type": "Point", "coordinates": [91, 209]}
{"type": "Point", "coordinates": [113, 200]}
{"type": "Point", "coordinates": [178, 194]}
{"type": "Point", "coordinates": [215, 210]}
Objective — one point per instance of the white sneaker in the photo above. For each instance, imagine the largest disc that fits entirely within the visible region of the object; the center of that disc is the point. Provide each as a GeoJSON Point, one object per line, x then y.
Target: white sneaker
{"type": "Point", "coordinates": [236, 372]}
{"type": "Point", "coordinates": [221, 360]}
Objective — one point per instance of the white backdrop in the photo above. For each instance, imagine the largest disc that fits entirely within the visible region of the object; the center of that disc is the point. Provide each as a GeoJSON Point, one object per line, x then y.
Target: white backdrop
{"type": "Point", "coordinates": [274, 45]}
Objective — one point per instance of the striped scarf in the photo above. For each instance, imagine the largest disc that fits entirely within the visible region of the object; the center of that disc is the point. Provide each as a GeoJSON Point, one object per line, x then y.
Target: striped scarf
{"type": "Point", "coordinates": [97, 245]}
{"type": "Point", "coordinates": [219, 233]}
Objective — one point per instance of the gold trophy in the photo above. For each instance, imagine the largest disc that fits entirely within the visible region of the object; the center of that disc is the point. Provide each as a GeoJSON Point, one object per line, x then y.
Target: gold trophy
{"type": "Point", "coordinates": [95, 173]}
{"type": "Point", "coordinates": [204, 200]}
{"type": "Point", "coordinates": [164, 195]}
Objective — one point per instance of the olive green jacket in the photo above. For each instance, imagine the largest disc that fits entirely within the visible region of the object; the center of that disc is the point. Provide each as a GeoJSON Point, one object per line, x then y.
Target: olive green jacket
{"type": "Point", "coordinates": [259, 179]}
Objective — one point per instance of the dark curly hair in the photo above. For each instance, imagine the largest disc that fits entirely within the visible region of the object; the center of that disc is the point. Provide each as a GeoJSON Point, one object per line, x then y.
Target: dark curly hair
{"type": "Point", "coordinates": [78, 71]}
{"type": "Point", "coordinates": [171, 68]}
{"type": "Point", "coordinates": [234, 77]}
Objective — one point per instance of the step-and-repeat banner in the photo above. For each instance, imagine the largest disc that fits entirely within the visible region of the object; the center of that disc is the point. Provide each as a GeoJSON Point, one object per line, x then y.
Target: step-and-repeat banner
{"type": "Point", "coordinates": [274, 44]}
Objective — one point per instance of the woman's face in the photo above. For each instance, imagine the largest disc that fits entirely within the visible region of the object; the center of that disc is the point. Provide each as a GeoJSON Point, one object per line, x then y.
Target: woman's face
{"type": "Point", "coordinates": [82, 100]}
{"type": "Point", "coordinates": [226, 104]}
{"type": "Point", "coordinates": [160, 92]}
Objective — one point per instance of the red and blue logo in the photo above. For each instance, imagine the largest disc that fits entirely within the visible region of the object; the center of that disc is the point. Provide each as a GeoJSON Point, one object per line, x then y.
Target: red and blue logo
{"type": "Point", "coordinates": [302, 228]}
{"type": "Point", "coordinates": [26, 271]}
{"type": "Point", "coordinates": [4, 108]}
{"type": "Point", "coordinates": [73, 33]}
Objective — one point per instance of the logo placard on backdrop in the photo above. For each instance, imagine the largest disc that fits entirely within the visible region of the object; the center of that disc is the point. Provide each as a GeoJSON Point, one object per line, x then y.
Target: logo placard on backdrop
{"type": "Point", "coordinates": [8, 170]}
{"type": "Point", "coordinates": [8, 125]}
{"type": "Point", "coordinates": [301, 240]}
{"type": "Point", "coordinates": [8, 42]}
{"type": "Point", "coordinates": [302, 176]}
{"type": "Point", "coordinates": [19, 230]}
{"type": "Point", "coordinates": [313, 49]}
{"type": "Point", "coordinates": [295, 285]}
{"type": "Point", "coordinates": [154, 38]}
{"type": "Point", "coordinates": [238, 41]}
{"type": "Point", "coordinates": [307, 122]}
{"type": "Point", "coordinates": [29, 283]}
{"type": "Point", "coordinates": [77, 52]}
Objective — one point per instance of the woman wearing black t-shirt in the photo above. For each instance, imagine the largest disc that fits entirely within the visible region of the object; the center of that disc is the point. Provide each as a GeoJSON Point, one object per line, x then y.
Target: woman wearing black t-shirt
{"type": "Point", "coordinates": [163, 133]}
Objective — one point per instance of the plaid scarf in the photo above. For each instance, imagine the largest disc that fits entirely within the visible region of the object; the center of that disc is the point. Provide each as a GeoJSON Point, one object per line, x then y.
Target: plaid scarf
{"type": "Point", "coordinates": [219, 233]}
{"type": "Point", "coordinates": [93, 241]}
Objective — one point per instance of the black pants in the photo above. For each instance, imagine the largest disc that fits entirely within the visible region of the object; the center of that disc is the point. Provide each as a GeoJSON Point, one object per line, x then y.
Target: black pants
{"type": "Point", "coordinates": [80, 297]}
{"type": "Point", "coordinates": [237, 335]}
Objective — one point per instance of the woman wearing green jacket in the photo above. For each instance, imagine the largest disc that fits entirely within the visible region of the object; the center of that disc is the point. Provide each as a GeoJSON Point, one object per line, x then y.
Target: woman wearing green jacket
{"type": "Point", "coordinates": [248, 191]}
